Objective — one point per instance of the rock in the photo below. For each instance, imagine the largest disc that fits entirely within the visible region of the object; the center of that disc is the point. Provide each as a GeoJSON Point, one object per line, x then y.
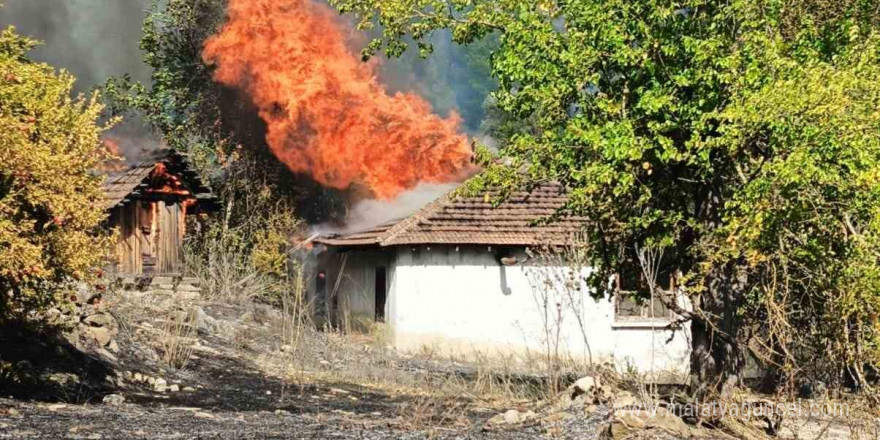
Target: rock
{"type": "Point", "coordinates": [187, 296]}
{"type": "Point", "coordinates": [113, 346]}
{"type": "Point", "coordinates": [99, 320]}
{"type": "Point", "coordinates": [101, 335]}
{"type": "Point", "coordinates": [174, 388]}
{"type": "Point", "coordinates": [106, 355]}
{"type": "Point", "coordinates": [63, 379]}
{"type": "Point", "coordinates": [512, 417]}
{"type": "Point", "coordinates": [167, 281]}
{"type": "Point", "coordinates": [584, 385]}
{"type": "Point", "coordinates": [113, 399]}
{"type": "Point", "coordinates": [188, 389]}
{"type": "Point", "coordinates": [626, 422]}
{"type": "Point", "coordinates": [812, 389]}
{"type": "Point", "coordinates": [151, 381]}
{"type": "Point", "coordinates": [282, 412]}
{"type": "Point", "coordinates": [193, 281]}
{"type": "Point", "coordinates": [138, 377]}
{"type": "Point", "coordinates": [624, 400]}
{"type": "Point", "coordinates": [160, 385]}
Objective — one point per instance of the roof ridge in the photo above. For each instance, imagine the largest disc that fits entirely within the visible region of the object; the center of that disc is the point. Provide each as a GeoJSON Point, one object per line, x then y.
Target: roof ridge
{"type": "Point", "coordinates": [387, 237]}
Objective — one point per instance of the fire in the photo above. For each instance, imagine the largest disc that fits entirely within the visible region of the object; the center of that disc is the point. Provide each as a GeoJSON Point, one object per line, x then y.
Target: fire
{"type": "Point", "coordinates": [163, 182]}
{"type": "Point", "coordinates": [116, 162]}
{"type": "Point", "coordinates": [326, 112]}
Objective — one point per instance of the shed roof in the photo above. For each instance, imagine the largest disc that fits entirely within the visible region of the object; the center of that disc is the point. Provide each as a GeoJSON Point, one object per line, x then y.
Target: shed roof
{"type": "Point", "coordinates": [451, 219]}
{"type": "Point", "coordinates": [122, 186]}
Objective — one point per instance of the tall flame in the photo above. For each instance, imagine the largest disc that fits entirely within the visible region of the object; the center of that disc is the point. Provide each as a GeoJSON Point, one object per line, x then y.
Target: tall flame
{"type": "Point", "coordinates": [327, 114]}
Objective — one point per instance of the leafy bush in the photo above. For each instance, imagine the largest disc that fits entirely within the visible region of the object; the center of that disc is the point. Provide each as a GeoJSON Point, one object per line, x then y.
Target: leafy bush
{"type": "Point", "coordinates": [51, 204]}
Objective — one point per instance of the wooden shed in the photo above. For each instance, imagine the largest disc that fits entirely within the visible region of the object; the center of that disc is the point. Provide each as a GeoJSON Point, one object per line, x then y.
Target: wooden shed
{"type": "Point", "coordinates": [148, 204]}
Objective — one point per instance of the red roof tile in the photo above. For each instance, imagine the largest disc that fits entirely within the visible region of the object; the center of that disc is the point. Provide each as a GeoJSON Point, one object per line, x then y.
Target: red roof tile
{"type": "Point", "coordinates": [518, 220]}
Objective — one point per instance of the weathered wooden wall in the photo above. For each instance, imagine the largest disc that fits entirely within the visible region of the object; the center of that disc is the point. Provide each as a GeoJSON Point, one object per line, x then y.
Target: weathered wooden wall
{"type": "Point", "coordinates": [151, 230]}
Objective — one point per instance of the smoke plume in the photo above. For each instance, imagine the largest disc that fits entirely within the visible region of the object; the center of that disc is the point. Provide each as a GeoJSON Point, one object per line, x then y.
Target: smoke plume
{"type": "Point", "coordinates": [93, 39]}
{"type": "Point", "coordinates": [326, 113]}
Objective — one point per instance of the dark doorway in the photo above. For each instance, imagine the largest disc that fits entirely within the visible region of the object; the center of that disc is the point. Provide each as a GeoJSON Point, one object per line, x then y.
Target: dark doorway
{"type": "Point", "coordinates": [381, 294]}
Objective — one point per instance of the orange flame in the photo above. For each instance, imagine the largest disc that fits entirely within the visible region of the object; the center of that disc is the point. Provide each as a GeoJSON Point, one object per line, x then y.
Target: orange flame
{"type": "Point", "coordinates": [114, 163]}
{"type": "Point", "coordinates": [163, 182]}
{"type": "Point", "coordinates": [327, 114]}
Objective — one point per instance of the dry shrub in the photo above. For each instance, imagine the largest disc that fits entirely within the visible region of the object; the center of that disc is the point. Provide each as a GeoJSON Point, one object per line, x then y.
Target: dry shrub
{"type": "Point", "coordinates": [242, 258]}
{"type": "Point", "coordinates": [179, 337]}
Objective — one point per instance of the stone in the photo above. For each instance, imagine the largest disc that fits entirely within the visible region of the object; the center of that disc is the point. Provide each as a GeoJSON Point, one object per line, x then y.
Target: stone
{"type": "Point", "coordinates": [99, 320]}
{"type": "Point", "coordinates": [113, 399]}
{"type": "Point", "coordinates": [174, 388]}
{"type": "Point", "coordinates": [187, 296]}
{"type": "Point", "coordinates": [812, 389]}
{"type": "Point", "coordinates": [584, 385]}
{"type": "Point", "coordinates": [624, 400]}
{"type": "Point", "coordinates": [101, 335]}
{"type": "Point", "coordinates": [113, 346]}
{"type": "Point", "coordinates": [190, 280]}
{"type": "Point", "coordinates": [626, 422]}
{"type": "Point", "coordinates": [512, 417]}
{"type": "Point", "coordinates": [282, 412]}
{"type": "Point", "coordinates": [188, 389]}
{"type": "Point", "coordinates": [166, 281]}
{"type": "Point", "coordinates": [138, 377]}
{"type": "Point", "coordinates": [159, 385]}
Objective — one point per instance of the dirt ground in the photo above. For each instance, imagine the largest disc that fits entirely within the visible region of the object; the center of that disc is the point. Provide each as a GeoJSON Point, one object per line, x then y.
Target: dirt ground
{"type": "Point", "coordinates": [249, 374]}
{"type": "Point", "coordinates": [242, 381]}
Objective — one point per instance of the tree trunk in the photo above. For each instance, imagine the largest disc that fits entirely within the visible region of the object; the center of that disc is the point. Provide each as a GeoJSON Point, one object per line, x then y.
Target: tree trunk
{"type": "Point", "coordinates": [717, 359]}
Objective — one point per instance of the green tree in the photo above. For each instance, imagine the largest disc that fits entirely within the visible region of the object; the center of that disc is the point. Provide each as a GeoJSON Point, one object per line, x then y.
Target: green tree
{"type": "Point", "coordinates": [741, 137]}
{"type": "Point", "coordinates": [51, 203]}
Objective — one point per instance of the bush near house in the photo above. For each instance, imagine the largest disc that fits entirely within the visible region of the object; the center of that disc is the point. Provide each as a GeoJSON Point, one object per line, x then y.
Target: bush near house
{"type": "Point", "coordinates": [51, 204]}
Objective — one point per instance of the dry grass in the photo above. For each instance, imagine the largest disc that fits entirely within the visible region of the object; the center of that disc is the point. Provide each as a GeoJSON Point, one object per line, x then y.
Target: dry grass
{"type": "Point", "coordinates": [179, 339]}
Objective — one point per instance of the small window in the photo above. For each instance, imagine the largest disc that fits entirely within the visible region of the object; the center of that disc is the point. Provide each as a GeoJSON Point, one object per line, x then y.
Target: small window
{"type": "Point", "coordinates": [633, 298]}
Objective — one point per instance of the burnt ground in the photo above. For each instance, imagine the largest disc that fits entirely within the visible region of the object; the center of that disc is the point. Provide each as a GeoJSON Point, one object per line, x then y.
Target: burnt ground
{"type": "Point", "coordinates": [242, 383]}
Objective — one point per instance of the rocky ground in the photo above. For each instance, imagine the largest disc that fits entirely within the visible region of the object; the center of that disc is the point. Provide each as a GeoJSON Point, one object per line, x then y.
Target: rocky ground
{"type": "Point", "coordinates": [158, 362]}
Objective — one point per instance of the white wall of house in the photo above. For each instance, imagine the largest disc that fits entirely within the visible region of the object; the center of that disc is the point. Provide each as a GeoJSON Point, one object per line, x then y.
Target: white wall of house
{"type": "Point", "coordinates": [461, 300]}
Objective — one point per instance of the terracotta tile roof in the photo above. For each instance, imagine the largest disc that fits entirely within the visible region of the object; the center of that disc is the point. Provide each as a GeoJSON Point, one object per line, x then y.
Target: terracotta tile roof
{"type": "Point", "coordinates": [121, 186]}
{"type": "Point", "coordinates": [518, 220]}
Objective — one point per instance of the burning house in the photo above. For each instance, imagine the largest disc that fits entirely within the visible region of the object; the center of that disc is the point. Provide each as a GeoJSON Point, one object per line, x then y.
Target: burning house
{"type": "Point", "coordinates": [462, 275]}
{"type": "Point", "coordinates": [148, 205]}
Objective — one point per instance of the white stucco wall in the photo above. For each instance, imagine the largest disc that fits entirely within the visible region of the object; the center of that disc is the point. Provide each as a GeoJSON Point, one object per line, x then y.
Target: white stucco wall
{"type": "Point", "coordinates": [460, 300]}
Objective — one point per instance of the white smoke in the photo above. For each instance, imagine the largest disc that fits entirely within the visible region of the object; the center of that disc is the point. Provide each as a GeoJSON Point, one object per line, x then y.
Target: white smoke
{"type": "Point", "coordinates": [370, 213]}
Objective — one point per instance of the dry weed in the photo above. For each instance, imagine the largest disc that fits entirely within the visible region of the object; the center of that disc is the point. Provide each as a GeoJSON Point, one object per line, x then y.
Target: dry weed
{"type": "Point", "coordinates": [179, 339]}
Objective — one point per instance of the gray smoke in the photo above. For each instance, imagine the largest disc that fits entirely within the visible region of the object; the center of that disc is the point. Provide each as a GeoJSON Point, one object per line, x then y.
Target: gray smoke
{"type": "Point", "coordinates": [93, 39]}
{"type": "Point", "coordinates": [452, 78]}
